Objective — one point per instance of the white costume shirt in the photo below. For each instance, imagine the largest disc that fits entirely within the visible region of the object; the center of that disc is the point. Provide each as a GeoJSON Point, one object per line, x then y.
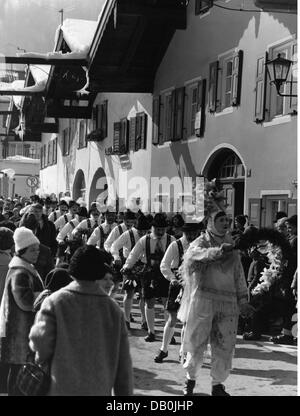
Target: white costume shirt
{"type": "Point", "coordinates": [66, 231]}
{"type": "Point", "coordinates": [124, 241]}
{"type": "Point", "coordinates": [171, 258]}
{"type": "Point", "coordinates": [94, 239]}
{"type": "Point", "coordinates": [139, 250]}
{"type": "Point", "coordinates": [54, 215]}
{"type": "Point", "coordinates": [63, 220]}
{"type": "Point", "coordinates": [113, 236]}
{"type": "Point", "coordinates": [83, 225]}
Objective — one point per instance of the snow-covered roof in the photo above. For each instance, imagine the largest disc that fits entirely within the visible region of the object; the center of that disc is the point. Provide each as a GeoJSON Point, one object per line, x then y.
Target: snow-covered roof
{"type": "Point", "coordinates": [79, 34]}
{"type": "Point", "coordinates": [40, 73]}
{"type": "Point", "coordinates": [21, 159]}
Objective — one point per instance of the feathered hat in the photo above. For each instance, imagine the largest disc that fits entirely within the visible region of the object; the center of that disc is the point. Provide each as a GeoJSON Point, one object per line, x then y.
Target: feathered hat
{"type": "Point", "coordinates": [214, 199]}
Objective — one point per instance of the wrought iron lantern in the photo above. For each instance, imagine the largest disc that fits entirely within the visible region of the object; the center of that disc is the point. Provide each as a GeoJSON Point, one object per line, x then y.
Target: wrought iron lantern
{"type": "Point", "coordinates": [278, 70]}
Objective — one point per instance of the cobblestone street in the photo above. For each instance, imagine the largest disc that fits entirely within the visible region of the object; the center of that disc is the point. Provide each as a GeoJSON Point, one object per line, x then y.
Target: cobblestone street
{"type": "Point", "coordinates": [259, 368]}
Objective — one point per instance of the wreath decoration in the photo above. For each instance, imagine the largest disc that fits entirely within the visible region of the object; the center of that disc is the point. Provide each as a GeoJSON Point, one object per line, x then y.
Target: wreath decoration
{"type": "Point", "coordinates": [276, 248]}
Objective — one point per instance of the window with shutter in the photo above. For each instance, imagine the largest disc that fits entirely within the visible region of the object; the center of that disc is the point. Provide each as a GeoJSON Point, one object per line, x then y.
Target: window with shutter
{"type": "Point", "coordinates": [41, 158]}
{"type": "Point", "coordinates": [268, 104]}
{"type": "Point", "coordinates": [179, 98]}
{"type": "Point", "coordinates": [45, 156]}
{"type": "Point", "coordinates": [199, 122]}
{"type": "Point", "coordinates": [155, 119]}
{"type": "Point", "coordinates": [237, 78]}
{"type": "Point", "coordinates": [141, 131]}
{"type": "Point", "coordinates": [54, 151]}
{"type": "Point", "coordinates": [102, 118]}
{"type": "Point", "coordinates": [212, 87]}
{"type": "Point", "coordinates": [116, 138]}
{"type": "Point", "coordinates": [260, 89]}
{"type": "Point", "coordinates": [49, 158]}
{"type": "Point", "coordinates": [124, 136]}
{"type": "Point", "coordinates": [254, 212]}
{"type": "Point", "coordinates": [132, 128]}
{"type": "Point", "coordinates": [230, 79]}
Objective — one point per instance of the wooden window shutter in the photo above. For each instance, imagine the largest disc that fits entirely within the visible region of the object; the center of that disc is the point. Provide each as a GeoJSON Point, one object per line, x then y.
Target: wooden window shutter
{"type": "Point", "coordinates": [292, 102]}
{"type": "Point", "coordinates": [103, 125]}
{"type": "Point", "coordinates": [201, 94]}
{"type": "Point", "coordinates": [144, 130]}
{"type": "Point", "coordinates": [179, 95]}
{"type": "Point", "coordinates": [171, 131]}
{"type": "Point", "coordinates": [95, 117]}
{"type": "Point", "coordinates": [155, 119]}
{"type": "Point", "coordinates": [124, 136]}
{"type": "Point", "coordinates": [237, 78]}
{"type": "Point", "coordinates": [212, 87]}
{"type": "Point", "coordinates": [116, 137]}
{"type": "Point", "coordinates": [41, 157]}
{"type": "Point", "coordinates": [141, 131]}
{"type": "Point", "coordinates": [132, 128]}
{"type": "Point", "coordinates": [260, 89]}
{"type": "Point", "coordinates": [254, 212]}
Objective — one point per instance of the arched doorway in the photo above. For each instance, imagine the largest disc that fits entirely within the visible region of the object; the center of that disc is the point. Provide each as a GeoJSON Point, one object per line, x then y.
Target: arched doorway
{"type": "Point", "coordinates": [226, 166]}
{"type": "Point", "coordinates": [99, 187]}
{"type": "Point", "coordinates": [79, 187]}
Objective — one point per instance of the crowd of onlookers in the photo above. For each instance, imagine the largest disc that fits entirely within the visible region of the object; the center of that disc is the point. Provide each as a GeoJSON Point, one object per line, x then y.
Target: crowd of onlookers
{"type": "Point", "coordinates": [43, 242]}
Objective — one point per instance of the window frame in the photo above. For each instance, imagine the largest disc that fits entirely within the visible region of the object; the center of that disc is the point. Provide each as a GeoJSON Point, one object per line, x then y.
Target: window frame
{"type": "Point", "coordinates": [82, 142]}
{"type": "Point", "coordinates": [272, 98]}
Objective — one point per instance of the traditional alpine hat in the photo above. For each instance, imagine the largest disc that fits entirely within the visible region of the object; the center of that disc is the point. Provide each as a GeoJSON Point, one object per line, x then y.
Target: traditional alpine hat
{"type": "Point", "coordinates": [191, 226]}
{"type": "Point", "coordinates": [129, 215]}
{"type": "Point", "coordinates": [142, 223]}
{"type": "Point", "coordinates": [160, 221]}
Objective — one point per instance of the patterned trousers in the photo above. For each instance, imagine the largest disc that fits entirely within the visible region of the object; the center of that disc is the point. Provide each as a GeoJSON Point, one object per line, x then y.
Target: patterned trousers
{"type": "Point", "coordinates": [214, 322]}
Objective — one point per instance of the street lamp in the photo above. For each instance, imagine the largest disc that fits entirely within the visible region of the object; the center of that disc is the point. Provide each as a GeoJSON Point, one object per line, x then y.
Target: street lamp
{"type": "Point", "coordinates": [278, 70]}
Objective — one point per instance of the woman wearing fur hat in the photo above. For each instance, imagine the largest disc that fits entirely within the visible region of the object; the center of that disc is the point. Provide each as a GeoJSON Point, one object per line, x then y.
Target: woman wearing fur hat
{"type": "Point", "coordinates": [215, 292]}
{"type": "Point", "coordinates": [83, 332]}
{"type": "Point", "coordinates": [22, 286]}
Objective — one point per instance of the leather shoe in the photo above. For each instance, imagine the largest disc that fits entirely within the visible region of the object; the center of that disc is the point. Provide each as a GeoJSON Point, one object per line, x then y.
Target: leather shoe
{"type": "Point", "coordinates": [189, 386]}
{"type": "Point", "coordinates": [160, 356]}
{"type": "Point", "coordinates": [150, 337]}
{"type": "Point", "coordinates": [219, 390]}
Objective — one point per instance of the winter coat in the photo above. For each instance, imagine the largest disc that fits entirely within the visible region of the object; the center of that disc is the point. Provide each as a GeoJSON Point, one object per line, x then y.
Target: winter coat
{"type": "Point", "coordinates": [5, 259]}
{"type": "Point", "coordinates": [47, 235]}
{"type": "Point", "coordinates": [81, 331]}
{"type": "Point", "coordinates": [16, 312]}
{"type": "Point", "coordinates": [45, 262]}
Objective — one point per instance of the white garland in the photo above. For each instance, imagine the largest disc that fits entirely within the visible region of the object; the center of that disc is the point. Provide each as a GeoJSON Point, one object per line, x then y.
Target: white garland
{"type": "Point", "coordinates": [273, 272]}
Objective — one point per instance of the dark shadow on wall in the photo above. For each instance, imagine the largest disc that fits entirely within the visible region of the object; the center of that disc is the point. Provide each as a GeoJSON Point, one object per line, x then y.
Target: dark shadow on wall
{"type": "Point", "coordinates": [183, 160]}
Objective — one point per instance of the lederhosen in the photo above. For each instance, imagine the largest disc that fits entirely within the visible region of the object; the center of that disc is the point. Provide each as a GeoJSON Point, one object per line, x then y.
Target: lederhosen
{"type": "Point", "coordinates": [128, 283]}
{"type": "Point", "coordinates": [154, 284]}
{"type": "Point", "coordinates": [63, 248]}
{"type": "Point", "coordinates": [117, 275]}
{"type": "Point", "coordinates": [174, 290]}
{"type": "Point", "coordinates": [74, 243]}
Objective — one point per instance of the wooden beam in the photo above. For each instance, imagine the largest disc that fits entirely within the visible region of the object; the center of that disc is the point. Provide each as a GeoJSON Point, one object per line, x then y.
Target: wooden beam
{"type": "Point", "coordinates": [69, 112]}
{"type": "Point", "coordinates": [6, 135]}
{"type": "Point", "coordinates": [173, 16]}
{"type": "Point", "coordinates": [20, 93]}
{"type": "Point", "coordinates": [43, 61]}
{"type": "Point", "coordinates": [43, 127]}
{"type": "Point", "coordinates": [135, 42]}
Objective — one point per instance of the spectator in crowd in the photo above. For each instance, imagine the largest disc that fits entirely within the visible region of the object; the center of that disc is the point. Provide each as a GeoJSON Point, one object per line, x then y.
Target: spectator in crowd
{"type": "Point", "coordinates": [45, 232]}
{"type": "Point", "coordinates": [45, 261]}
{"type": "Point", "coordinates": [289, 301]}
{"type": "Point", "coordinates": [7, 221]}
{"type": "Point", "coordinates": [175, 227]}
{"type": "Point", "coordinates": [97, 363]}
{"type": "Point", "coordinates": [22, 286]}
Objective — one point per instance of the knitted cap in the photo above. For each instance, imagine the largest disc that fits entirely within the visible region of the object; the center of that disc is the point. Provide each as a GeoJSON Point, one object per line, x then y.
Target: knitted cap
{"type": "Point", "coordinates": [6, 238]}
{"type": "Point", "coordinates": [24, 238]}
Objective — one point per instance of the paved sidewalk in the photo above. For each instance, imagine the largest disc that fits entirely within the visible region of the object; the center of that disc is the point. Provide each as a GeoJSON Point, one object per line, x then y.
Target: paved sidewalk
{"type": "Point", "coordinates": [259, 368]}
